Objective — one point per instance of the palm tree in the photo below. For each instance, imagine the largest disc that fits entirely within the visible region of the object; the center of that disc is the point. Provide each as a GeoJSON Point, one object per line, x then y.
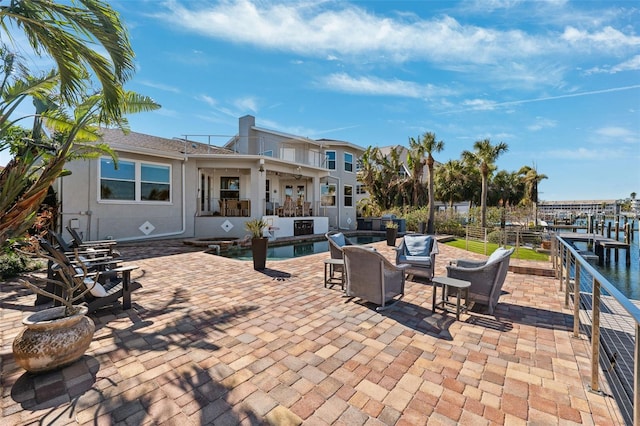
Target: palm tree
{"type": "Point", "coordinates": [531, 178]}
{"type": "Point", "coordinates": [67, 33]}
{"type": "Point", "coordinates": [426, 144]}
{"type": "Point", "coordinates": [449, 182]}
{"type": "Point", "coordinates": [39, 160]}
{"type": "Point", "coordinates": [483, 158]}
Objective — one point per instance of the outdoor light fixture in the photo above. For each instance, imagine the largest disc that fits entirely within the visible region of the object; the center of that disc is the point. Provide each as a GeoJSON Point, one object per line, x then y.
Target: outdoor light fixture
{"type": "Point", "coordinates": [261, 169]}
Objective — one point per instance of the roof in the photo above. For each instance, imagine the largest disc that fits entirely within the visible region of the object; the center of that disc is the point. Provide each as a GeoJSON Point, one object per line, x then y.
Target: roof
{"type": "Point", "coordinates": [116, 138]}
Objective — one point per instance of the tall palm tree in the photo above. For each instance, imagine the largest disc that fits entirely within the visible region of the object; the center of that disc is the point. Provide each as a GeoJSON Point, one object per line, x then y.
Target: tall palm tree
{"type": "Point", "coordinates": [430, 145]}
{"type": "Point", "coordinates": [67, 32]}
{"type": "Point", "coordinates": [415, 163]}
{"type": "Point", "coordinates": [531, 178]}
{"type": "Point", "coordinates": [483, 158]}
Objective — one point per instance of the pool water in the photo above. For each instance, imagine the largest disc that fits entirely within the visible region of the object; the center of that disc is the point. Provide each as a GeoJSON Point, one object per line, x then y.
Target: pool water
{"type": "Point", "coordinates": [296, 249]}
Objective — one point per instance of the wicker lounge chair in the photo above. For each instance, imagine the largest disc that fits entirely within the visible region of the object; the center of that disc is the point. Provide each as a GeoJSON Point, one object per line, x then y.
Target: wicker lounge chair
{"type": "Point", "coordinates": [486, 277]}
{"type": "Point", "coordinates": [418, 252]}
{"type": "Point", "coordinates": [371, 277]}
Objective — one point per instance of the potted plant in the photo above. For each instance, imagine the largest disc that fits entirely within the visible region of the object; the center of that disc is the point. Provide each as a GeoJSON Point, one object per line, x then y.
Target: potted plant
{"type": "Point", "coordinates": [392, 232]}
{"type": "Point", "coordinates": [259, 242]}
{"type": "Point", "coordinates": [58, 336]}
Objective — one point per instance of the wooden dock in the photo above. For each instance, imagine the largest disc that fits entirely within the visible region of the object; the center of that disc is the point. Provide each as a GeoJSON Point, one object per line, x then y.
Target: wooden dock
{"type": "Point", "coordinates": [602, 246]}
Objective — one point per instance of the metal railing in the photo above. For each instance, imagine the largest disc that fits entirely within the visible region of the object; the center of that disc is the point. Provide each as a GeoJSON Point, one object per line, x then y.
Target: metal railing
{"type": "Point", "coordinates": [609, 319]}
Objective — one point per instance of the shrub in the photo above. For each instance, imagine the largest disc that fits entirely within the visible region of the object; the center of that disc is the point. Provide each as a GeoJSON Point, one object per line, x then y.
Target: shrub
{"type": "Point", "coordinates": [12, 264]}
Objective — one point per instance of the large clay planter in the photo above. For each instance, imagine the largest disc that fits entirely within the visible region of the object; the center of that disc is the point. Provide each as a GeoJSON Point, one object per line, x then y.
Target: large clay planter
{"type": "Point", "coordinates": [51, 340]}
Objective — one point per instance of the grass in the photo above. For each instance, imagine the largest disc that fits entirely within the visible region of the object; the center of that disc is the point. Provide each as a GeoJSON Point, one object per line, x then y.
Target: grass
{"type": "Point", "coordinates": [478, 247]}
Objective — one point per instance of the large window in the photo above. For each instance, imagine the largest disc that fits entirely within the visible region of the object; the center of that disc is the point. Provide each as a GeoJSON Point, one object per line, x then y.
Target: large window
{"type": "Point", "coordinates": [328, 195]}
{"type": "Point", "coordinates": [331, 159]}
{"type": "Point", "coordinates": [348, 196]}
{"type": "Point", "coordinates": [348, 162]}
{"type": "Point", "coordinates": [230, 188]}
{"type": "Point", "coordinates": [134, 181]}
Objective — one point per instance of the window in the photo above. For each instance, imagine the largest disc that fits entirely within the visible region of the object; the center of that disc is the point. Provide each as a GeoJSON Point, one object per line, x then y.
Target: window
{"type": "Point", "coordinates": [330, 159]}
{"type": "Point", "coordinates": [348, 162]}
{"type": "Point", "coordinates": [268, 153]}
{"type": "Point", "coordinates": [154, 182]}
{"type": "Point", "coordinates": [134, 181]}
{"type": "Point", "coordinates": [360, 189]}
{"type": "Point", "coordinates": [348, 196]}
{"type": "Point", "coordinates": [328, 195]}
{"type": "Point", "coordinates": [230, 188]}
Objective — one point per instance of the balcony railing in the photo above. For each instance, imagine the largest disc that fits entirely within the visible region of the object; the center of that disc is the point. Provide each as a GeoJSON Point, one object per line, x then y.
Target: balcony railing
{"type": "Point", "coordinates": [609, 319]}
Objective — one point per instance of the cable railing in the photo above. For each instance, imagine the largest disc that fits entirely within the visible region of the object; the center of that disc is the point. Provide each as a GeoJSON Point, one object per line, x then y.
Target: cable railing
{"type": "Point", "coordinates": [609, 319]}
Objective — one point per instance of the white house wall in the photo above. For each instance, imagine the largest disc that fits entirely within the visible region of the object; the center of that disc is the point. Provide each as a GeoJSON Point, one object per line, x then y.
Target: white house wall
{"type": "Point", "coordinates": [95, 219]}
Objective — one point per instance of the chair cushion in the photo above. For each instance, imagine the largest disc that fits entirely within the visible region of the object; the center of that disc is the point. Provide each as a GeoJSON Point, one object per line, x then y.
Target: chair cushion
{"type": "Point", "coordinates": [421, 261]}
{"type": "Point", "coordinates": [338, 239]}
{"type": "Point", "coordinates": [95, 288]}
{"type": "Point", "coordinates": [418, 245]}
{"type": "Point", "coordinates": [497, 255]}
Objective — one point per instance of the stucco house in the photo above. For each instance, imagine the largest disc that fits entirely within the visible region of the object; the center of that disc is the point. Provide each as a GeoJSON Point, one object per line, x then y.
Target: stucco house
{"type": "Point", "coordinates": [166, 188]}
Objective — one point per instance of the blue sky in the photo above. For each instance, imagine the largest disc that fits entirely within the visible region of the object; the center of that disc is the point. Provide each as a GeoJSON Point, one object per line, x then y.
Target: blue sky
{"type": "Point", "coordinates": [557, 81]}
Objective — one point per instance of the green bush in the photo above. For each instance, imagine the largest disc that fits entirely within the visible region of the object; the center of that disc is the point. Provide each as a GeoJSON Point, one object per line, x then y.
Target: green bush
{"type": "Point", "coordinates": [495, 237]}
{"type": "Point", "coordinates": [12, 264]}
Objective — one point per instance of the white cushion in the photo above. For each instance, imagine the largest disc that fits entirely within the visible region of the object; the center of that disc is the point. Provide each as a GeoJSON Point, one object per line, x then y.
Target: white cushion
{"type": "Point", "coordinates": [95, 288]}
{"type": "Point", "coordinates": [497, 255]}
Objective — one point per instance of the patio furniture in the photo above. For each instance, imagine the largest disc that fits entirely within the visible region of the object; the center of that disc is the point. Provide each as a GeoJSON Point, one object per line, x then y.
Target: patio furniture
{"type": "Point", "coordinates": [78, 242]}
{"type": "Point", "coordinates": [418, 251]}
{"type": "Point", "coordinates": [71, 250]}
{"type": "Point", "coordinates": [306, 208]}
{"type": "Point", "coordinates": [334, 272]}
{"type": "Point", "coordinates": [289, 208]}
{"type": "Point", "coordinates": [101, 282]}
{"type": "Point", "coordinates": [371, 277]}
{"type": "Point", "coordinates": [337, 241]}
{"type": "Point", "coordinates": [486, 277]}
{"type": "Point", "coordinates": [448, 284]}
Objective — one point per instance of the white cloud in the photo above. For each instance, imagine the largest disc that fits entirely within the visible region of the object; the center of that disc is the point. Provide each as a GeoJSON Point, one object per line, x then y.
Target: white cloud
{"type": "Point", "coordinates": [244, 104]}
{"type": "Point", "coordinates": [207, 99]}
{"type": "Point", "coordinates": [583, 154]}
{"type": "Point", "coordinates": [607, 39]}
{"type": "Point", "coordinates": [314, 29]}
{"type": "Point", "coordinates": [368, 85]}
{"type": "Point", "coordinates": [615, 134]}
{"type": "Point", "coordinates": [160, 86]}
{"type": "Point", "coordinates": [542, 123]}
{"type": "Point", "coordinates": [632, 64]}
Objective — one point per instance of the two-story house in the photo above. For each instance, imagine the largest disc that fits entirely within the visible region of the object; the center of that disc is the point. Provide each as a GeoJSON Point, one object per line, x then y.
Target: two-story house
{"type": "Point", "coordinates": [182, 188]}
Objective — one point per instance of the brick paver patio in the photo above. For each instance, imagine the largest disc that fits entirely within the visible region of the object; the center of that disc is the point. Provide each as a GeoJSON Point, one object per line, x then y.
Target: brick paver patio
{"type": "Point", "coordinates": [211, 341]}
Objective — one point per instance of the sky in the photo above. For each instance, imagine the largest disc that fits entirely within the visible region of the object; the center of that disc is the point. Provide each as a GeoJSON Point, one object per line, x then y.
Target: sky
{"type": "Point", "coordinates": [557, 81]}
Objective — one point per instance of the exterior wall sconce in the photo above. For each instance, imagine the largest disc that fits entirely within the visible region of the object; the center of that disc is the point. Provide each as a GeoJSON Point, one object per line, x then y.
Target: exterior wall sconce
{"type": "Point", "coordinates": [261, 169]}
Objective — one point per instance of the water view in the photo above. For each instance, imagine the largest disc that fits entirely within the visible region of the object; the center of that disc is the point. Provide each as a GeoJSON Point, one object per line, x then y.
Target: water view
{"type": "Point", "coordinates": [297, 249]}
{"type": "Point", "coordinates": [624, 278]}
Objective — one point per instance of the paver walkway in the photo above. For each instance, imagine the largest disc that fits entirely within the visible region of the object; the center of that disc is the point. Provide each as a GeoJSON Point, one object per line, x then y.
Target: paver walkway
{"type": "Point", "coordinates": [211, 341]}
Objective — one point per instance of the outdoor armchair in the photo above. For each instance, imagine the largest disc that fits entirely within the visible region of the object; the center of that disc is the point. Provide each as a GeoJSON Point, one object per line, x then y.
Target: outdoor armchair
{"type": "Point", "coordinates": [486, 277]}
{"type": "Point", "coordinates": [97, 282]}
{"type": "Point", "coordinates": [418, 252]}
{"type": "Point", "coordinates": [371, 277]}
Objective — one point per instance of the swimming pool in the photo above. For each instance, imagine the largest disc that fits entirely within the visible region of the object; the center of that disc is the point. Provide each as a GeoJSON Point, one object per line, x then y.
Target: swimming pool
{"type": "Point", "coordinates": [296, 249]}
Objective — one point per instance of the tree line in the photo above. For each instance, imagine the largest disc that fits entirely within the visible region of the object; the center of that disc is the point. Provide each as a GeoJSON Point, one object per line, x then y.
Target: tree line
{"type": "Point", "coordinates": [474, 177]}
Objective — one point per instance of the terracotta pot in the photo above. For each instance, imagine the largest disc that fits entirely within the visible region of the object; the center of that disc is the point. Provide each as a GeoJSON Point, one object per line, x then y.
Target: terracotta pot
{"type": "Point", "coordinates": [51, 340]}
{"type": "Point", "coordinates": [259, 252]}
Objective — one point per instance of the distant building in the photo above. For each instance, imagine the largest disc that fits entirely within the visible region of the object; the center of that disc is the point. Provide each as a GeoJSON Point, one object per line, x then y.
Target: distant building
{"type": "Point", "coordinates": [567, 209]}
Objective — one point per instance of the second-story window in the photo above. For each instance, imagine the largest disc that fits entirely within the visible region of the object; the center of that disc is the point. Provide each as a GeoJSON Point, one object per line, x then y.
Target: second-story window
{"type": "Point", "coordinates": [331, 159]}
{"type": "Point", "coordinates": [348, 162]}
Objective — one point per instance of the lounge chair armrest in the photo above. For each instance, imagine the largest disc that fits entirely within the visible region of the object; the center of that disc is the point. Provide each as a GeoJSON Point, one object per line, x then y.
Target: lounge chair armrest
{"type": "Point", "coordinates": [468, 263]}
{"type": "Point", "coordinates": [127, 268]}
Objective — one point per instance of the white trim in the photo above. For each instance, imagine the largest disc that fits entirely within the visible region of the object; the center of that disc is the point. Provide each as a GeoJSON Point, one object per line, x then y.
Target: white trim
{"type": "Point", "coordinates": [137, 164]}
